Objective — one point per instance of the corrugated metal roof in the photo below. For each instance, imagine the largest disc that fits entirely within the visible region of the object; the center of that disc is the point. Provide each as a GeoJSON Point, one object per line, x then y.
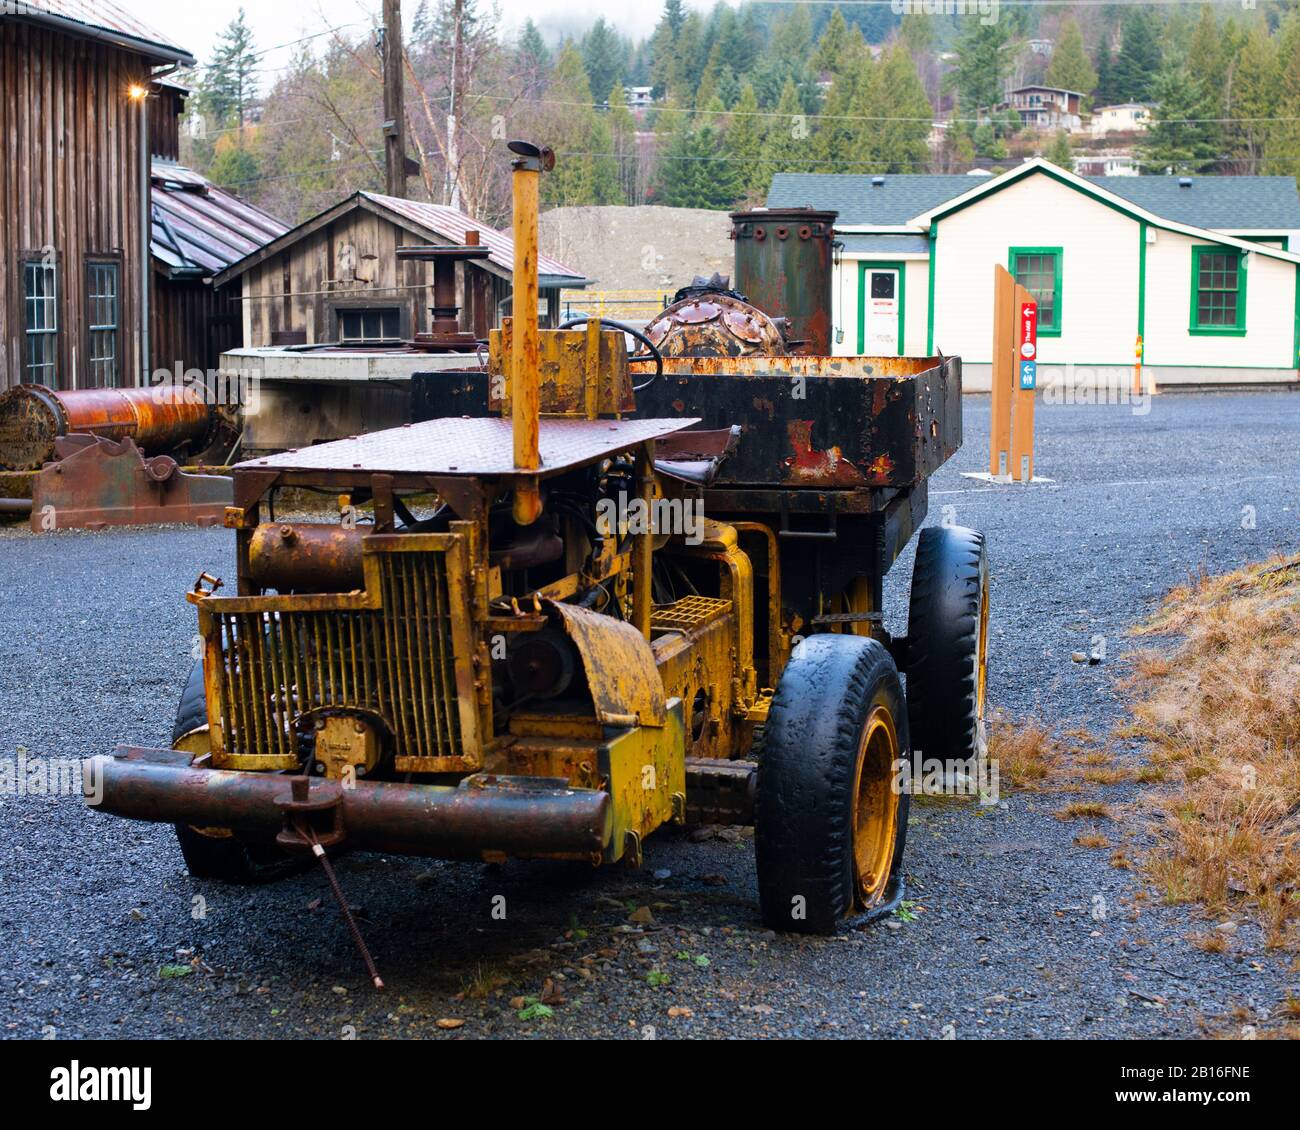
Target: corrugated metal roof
{"type": "Point", "coordinates": [199, 227]}
{"type": "Point", "coordinates": [1218, 203]}
{"type": "Point", "coordinates": [101, 16]}
{"type": "Point", "coordinates": [451, 224]}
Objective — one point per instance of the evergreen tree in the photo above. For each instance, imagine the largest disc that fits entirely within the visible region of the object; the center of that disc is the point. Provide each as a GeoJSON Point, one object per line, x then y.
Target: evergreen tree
{"type": "Point", "coordinates": [982, 61]}
{"type": "Point", "coordinates": [532, 47]}
{"type": "Point", "coordinates": [622, 134]}
{"type": "Point", "coordinates": [234, 166]}
{"type": "Point", "coordinates": [571, 124]}
{"type": "Point", "coordinates": [841, 136]}
{"type": "Point", "coordinates": [1106, 95]}
{"type": "Point", "coordinates": [1058, 152]}
{"type": "Point", "coordinates": [1180, 139]}
{"type": "Point", "coordinates": [1070, 68]}
{"type": "Point", "coordinates": [786, 144]}
{"type": "Point", "coordinates": [603, 56]}
{"type": "Point", "coordinates": [902, 145]}
{"type": "Point", "coordinates": [229, 83]}
{"type": "Point", "coordinates": [1252, 101]}
{"type": "Point", "coordinates": [1138, 62]}
{"type": "Point", "coordinates": [832, 46]}
{"type": "Point", "coordinates": [1282, 152]}
{"type": "Point", "coordinates": [744, 143]}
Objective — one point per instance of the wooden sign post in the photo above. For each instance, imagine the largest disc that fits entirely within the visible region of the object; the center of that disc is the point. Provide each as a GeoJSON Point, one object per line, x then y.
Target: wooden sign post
{"type": "Point", "coordinates": [1015, 379]}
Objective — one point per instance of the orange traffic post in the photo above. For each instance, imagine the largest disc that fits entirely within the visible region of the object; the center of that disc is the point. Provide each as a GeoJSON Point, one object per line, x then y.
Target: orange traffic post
{"type": "Point", "coordinates": [1003, 372]}
{"type": "Point", "coordinates": [1024, 367]}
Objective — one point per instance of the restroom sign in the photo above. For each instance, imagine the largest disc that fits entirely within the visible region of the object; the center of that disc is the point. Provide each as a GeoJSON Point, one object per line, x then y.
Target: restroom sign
{"type": "Point", "coordinates": [1029, 331]}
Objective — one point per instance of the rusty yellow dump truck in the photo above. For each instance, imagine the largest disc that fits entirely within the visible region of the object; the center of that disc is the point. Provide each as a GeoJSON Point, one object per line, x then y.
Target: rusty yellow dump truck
{"type": "Point", "coordinates": [591, 594]}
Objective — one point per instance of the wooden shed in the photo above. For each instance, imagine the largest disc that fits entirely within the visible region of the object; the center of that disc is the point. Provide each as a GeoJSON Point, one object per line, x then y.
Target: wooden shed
{"type": "Point", "coordinates": [74, 81]}
{"type": "Point", "coordinates": [336, 278]}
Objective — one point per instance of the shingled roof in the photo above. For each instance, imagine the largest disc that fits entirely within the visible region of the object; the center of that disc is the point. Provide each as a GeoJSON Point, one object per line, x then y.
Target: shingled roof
{"type": "Point", "coordinates": [1217, 203]}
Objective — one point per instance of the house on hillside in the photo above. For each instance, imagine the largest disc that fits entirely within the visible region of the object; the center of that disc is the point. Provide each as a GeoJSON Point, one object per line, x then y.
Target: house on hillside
{"type": "Point", "coordinates": [336, 278]}
{"type": "Point", "coordinates": [1200, 269]}
{"type": "Point", "coordinates": [1126, 117]}
{"type": "Point", "coordinates": [1046, 107]}
{"type": "Point", "coordinates": [1106, 163]}
{"type": "Point", "coordinates": [80, 85]}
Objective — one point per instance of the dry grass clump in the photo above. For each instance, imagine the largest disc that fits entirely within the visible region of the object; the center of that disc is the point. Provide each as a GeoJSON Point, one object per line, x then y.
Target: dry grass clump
{"type": "Point", "coordinates": [1222, 711]}
{"type": "Point", "coordinates": [1025, 751]}
{"type": "Point", "coordinates": [1084, 810]}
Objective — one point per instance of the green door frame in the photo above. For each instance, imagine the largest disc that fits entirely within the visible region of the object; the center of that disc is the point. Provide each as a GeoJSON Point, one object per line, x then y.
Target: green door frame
{"type": "Point", "coordinates": [864, 266]}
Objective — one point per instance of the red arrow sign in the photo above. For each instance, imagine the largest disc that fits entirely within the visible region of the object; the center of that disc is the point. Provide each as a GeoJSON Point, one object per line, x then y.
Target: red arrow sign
{"type": "Point", "coordinates": [1028, 331]}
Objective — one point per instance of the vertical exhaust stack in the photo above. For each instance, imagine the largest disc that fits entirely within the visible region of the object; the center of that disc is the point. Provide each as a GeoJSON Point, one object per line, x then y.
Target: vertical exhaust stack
{"type": "Point", "coordinates": [529, 163]}
{"type": "Point", "coordinates": [783, 266]}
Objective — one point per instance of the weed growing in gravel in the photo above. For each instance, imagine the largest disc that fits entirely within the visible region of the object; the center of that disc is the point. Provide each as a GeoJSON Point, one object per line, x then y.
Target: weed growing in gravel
{"type": "Point", "coordinates": [1084, 810]}
{"type": "Point", "coordinates": [1221, 709]}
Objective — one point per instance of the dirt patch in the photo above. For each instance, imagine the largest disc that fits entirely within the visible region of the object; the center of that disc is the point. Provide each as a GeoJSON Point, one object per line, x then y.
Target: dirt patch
{"type": "Point", "coordinates": [649, 248]}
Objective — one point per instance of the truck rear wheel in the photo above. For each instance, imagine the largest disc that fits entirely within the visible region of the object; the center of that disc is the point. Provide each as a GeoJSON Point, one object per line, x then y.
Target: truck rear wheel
{"type": "Point", "coordinates": [830, 819]}
{"type": "Point", "coordinates": [947, 645]}
{"type": "Point", "coordinates": [213, 853]}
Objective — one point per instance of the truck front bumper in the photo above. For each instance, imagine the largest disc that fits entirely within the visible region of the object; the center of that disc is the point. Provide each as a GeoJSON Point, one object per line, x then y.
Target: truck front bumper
{"type": "Point", "coordinates": [483, 817]}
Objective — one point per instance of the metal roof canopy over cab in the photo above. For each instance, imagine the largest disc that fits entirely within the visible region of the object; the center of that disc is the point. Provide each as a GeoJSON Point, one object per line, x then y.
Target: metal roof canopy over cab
{"type": "Point", "coordinates": [471, 447]}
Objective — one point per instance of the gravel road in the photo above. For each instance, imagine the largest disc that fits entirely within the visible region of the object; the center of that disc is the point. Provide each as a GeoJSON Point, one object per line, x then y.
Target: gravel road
{"type": "Point", "coordinates": [1014, 931]}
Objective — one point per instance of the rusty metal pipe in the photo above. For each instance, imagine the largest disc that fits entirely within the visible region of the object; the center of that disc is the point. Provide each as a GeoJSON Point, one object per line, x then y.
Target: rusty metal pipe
{"type": "Point", "coordinates": [305, 557]}
{"type": "Point", "coordinates": [449, 822]}
{"type": "Point", "coordinates": [525, 337]}
{"type": "Point", "coordinates": [15, 505]}
{"type": "Point", "coordinates": [160, 419]}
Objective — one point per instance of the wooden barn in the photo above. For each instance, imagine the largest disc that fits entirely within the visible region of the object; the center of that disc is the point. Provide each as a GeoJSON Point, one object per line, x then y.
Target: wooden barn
{"type": "Point", "coordinates": [336, 278]}
{"type": "Point", "coordinates": [75, 80]}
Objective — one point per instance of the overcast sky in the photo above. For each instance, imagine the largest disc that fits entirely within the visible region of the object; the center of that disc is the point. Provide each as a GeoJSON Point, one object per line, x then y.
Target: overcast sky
{"type": "Point", "coordinates": [196, 25]}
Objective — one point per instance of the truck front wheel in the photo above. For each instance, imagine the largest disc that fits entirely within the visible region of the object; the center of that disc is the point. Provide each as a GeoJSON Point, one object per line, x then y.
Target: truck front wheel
{"type": "Point", "coordinates": [830, 818]}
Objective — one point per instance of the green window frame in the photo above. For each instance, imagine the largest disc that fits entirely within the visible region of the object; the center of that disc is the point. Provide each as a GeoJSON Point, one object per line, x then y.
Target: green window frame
{"type": "Point", "coordinates": [1218, 291]}
{"type": "Point", "coordinates": [1038, 270]}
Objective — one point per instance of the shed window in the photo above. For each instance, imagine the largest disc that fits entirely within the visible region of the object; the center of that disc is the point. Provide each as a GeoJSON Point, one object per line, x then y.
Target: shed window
{"type": "Point", "coordinates": [1038, 270]}
{"type": "Point", "coordinates": [41, 322]}
{"type": "Point", "coordinates": [103, 320]}
{"type": "Point", "coordinates": [370, 324]}
{"type": "Point", "coordinates": [1218, 291]}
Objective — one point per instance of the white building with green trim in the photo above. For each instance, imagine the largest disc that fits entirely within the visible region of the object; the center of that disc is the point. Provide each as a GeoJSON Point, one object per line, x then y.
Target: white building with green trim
{"type": "Point", "coordinates": [1199, 269]}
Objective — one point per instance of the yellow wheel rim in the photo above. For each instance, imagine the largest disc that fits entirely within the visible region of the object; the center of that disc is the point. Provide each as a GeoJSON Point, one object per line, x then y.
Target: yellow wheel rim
{"type": "Point", "coordinates": [875, 807]}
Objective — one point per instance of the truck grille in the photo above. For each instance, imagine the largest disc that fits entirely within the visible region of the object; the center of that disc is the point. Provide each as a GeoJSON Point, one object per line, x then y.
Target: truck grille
{"type": "Point", "coordinates": [396, 661]}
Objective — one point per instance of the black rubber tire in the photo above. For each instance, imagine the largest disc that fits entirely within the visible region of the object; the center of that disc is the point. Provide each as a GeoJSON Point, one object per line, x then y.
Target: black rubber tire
{"type": "Point", "coordinates": [950, 584]}
{"type": "Point", "coordinates": [212, 857]}
{"type": "Point", "coordinates": [804, 803]}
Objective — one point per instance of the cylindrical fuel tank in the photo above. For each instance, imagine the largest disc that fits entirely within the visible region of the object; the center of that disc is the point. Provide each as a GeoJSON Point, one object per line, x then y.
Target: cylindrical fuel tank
{"type": "Point", "coordinates": [783, 266]}
{"type": "Point", "coordinates": [305, 557]}
{"type": "Point", "coordinates": [160, 419]}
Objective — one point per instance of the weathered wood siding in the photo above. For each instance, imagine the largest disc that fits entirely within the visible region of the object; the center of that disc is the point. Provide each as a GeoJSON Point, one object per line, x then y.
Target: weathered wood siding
{"type": "Point", "coordinates": [354, 260]}
{"type": "Point", "coordinates": [69, 185]}
{"type": "Point", "coordinates": [191, 324]}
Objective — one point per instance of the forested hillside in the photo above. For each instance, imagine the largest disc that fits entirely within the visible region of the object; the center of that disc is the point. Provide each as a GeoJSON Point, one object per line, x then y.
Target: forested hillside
{"type": "Point", "coordinates": [738, 93]}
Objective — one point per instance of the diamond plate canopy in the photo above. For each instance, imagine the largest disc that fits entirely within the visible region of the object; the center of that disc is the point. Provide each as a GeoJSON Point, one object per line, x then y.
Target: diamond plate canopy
{"type": "Point", "coordinates": [464, 446]}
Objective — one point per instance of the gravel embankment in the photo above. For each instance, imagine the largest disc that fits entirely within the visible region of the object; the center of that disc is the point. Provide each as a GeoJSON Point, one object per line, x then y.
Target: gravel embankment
{"type": "Point", "coordinates": [1003, 937]}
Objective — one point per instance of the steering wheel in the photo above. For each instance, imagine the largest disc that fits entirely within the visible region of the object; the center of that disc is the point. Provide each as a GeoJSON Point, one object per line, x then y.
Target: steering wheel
{"type": "Point", "coordinates": [651, 354]}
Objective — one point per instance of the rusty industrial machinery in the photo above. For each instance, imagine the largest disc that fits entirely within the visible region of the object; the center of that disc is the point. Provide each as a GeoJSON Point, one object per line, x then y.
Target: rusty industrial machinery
{"type": "Point", "coordinates": [108, 457]}
{"type": "Point", "coordinates": [445, 334]}
{"type": "Point", "coordinates": [161, 420]}
{"type": "Point", "coordinates": [591, 595]}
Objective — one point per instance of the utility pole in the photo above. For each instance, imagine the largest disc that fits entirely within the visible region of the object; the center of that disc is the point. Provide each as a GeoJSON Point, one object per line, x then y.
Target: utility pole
{"type": "Point", "coordinates": [453, 156]}
{"type": "Point", "coordinates": [394, 113]}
